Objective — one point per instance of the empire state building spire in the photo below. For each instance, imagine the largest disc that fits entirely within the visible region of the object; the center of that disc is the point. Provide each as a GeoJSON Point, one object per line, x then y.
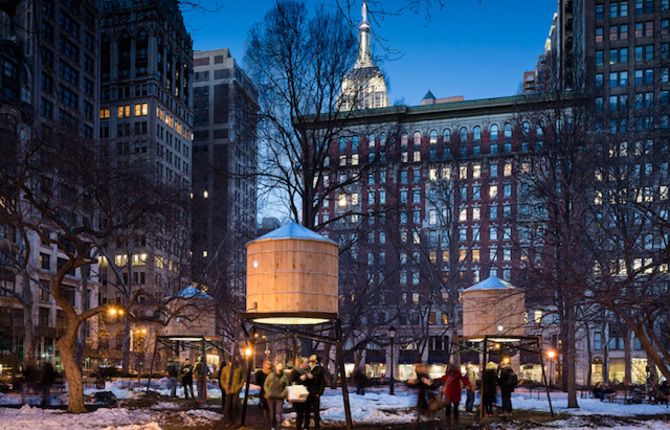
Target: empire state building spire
{"type": "Point", "coordinates": [364, 54]}
{"type": "Point", "coordinates": [364, 87]}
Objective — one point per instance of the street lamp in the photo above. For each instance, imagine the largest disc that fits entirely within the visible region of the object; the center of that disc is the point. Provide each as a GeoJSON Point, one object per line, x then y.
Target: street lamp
{"type": "Point", "coordinates": [392, 333]}
{"type": "Point", "coordinates": [551, 354]}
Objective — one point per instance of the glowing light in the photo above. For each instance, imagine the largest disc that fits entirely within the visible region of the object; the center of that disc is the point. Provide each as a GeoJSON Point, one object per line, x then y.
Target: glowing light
{"type": "Point", "coordinates": [551, 354]}
{"type": "Point", "coordinates": [248, 351]}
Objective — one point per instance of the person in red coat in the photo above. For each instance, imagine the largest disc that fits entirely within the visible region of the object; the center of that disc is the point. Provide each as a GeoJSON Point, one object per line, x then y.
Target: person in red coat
{"type": "Point", "coordinates": [453, 389]}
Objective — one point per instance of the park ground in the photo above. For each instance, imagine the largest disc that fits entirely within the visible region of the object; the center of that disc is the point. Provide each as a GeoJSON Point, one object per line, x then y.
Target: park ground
{"type": "Point", "coordinates": [137, 410]}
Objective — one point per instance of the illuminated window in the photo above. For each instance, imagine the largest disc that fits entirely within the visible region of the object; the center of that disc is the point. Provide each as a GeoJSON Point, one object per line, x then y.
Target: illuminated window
{"type": "Point", "coordinates": [205, 194]}
{"type": "Point", "coordinates": [538, 317]}
{"type": "Point", "coordinates": [463, 172]}
{"type": "Point", "coordinates": [508, 169]}
{"type": "Point", "coordinates": [475, 255]}
{"type": "Point", "coordinates": [104, 113]}
{"type": "Point", "coordinates": [493, 191]}
{"type": "Point", "coordinates": [476, 214]}
{"type": "Point", "coordinates": [476, 170]}
{"type": "Point", "coordinates": [342, 200]}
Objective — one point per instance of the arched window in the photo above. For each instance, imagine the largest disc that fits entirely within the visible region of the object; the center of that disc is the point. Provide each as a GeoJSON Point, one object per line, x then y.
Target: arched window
{"type": "Point", "coordinates": [476, 139]}
{"type": "Point", "coordinates": [343, 145]}
{"type": "Point", "coordinates": [494, 133]}
{"type": "Point", "coordinates": [446, 135]}
{"type": "Point", "coordinates": [433, 137]}
{"type": "Point", "coordinates": [477, 133]}
{"type": "Point", "coordinates": [371, 140]}
{"type": "Point", "coordinates": [404, 139]}
{"type": "Point", "coordinates": [382, 139]}
{"type": "Point", "coordinates": [508, 131]}
{"type": "Point", "coordinates": [525, 131]}
{"type": "Point", "coordinates": [417, 138]}
{"type": "Point", "coordinates": [463, 134]}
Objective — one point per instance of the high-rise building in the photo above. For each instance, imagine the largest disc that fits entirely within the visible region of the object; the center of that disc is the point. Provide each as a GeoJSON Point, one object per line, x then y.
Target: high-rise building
{"type": "Point", "coordinates": [225, 163]}
{"type": "Point", "coordinates": [146, 119]}
{"type": "Point", "coordinates": [49, 86]}
{"type": "Point", "coordinates": [364, 87]}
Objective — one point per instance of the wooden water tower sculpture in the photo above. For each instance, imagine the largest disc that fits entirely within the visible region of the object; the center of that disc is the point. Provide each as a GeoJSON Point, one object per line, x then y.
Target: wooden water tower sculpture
{"type": "Point", "coordinates": [292, 277]}
{"type": "Point", "coordinates": [493, 307]}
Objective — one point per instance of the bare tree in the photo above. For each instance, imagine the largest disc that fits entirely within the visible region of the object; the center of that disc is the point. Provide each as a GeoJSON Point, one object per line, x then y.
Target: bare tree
{"type": "Point", "coordinates": [557, 184]}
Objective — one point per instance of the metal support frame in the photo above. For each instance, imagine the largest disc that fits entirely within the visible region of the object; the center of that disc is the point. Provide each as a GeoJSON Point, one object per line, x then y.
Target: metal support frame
{"type": "Point", "coordinates": [174, 343]}
{"type": "Point", "coordinates": [520, 343]}
{"type": "Point", "coordinates": [315, 335]}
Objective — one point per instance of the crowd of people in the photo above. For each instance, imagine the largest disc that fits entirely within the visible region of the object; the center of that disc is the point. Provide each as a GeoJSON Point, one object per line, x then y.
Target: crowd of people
{"type": "Point", "coordinates": [305, 384]}
{"type": "Point", "coordinates": [454, 382]}
{"type": "Point", "coordinates": [274, 387]}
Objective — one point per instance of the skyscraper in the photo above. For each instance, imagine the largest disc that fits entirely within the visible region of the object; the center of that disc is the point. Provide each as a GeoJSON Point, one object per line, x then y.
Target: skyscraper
{"type": "Point", "coordinates": [146, 120]}
{"type": "Point", "coordinates": [225, 164]}
{"type": "Point", "coordinates": [48, 90]}
{"type": "Point", "coordinates": [364, 87]}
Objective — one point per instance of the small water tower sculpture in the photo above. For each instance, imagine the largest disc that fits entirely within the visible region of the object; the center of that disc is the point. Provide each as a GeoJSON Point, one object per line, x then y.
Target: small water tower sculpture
{"type": "Point", "coordinates": [292, 277]}
{"type": "Point", "coordinates": [493, 307]}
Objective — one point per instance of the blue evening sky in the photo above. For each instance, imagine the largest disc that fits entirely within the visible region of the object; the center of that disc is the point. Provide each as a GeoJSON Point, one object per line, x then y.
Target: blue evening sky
{"type": "Point", "coordinates": [474, 48]}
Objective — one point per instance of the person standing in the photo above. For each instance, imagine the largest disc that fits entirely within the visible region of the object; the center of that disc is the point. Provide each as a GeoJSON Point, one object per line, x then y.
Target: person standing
{"type": "Point", "coordinates": [489, 382]}
{"type": "Point", "coordinates": [470, 399]}
{"type": "Point", "coordinates": [453, 388]}
{"type": "Point", "coordinates": [173, 374]}
{"type": "Point", "coordinates": [47, 379]}
{"type": "Point", "coordinates": [301, 376]}
{"type": "Point", "coordinates": [424, 383]}
{"type": "Point", "coordinates": [186, 372]}
{"type": "Point", "coordinates": [200, 373]}
{"type": "Point", "coordinates": [316, 389]}
{"type": "Point", "coordinates": [275, 391]}
{"type": "Point", "coordinates": [232, 390]}
{"type": "Point", "coordinates": [507, 380]}
{"type": "Point", "coordinates": [360, 379]}
{"type": "Point", "coordinates": [260, 377]}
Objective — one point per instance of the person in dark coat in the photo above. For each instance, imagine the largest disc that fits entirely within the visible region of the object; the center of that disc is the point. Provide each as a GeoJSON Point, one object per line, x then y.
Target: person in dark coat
{"type": "Point", "coordinates": [301, 376]}
{"type": "Point", "coordinates": [506, 388]}
{"type": "Point", "coordinates": [316, 389]}
{"type": "Point", "coordinates": [489, 382]}
{"type": "Point", "coordinates": [259, 377]}
{"type": "Point", "coordinates": [173, 374]}
{"type": "Point", "coordinates": [360, 380]}
{"type": "Point", "coordinates": [424, 384]}
{"type": "Point", "coordinates": [186, 372]}
{"type": "Point", "coordinates": [47, 379]}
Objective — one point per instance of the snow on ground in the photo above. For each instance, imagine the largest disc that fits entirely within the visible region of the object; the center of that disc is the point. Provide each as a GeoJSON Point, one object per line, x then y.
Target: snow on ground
{"type": "Point", "coordinates": [376, 407]}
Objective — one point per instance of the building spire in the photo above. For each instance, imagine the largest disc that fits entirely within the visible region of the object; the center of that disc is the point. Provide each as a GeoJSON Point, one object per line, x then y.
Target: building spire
{"type": "Point", "coordinates": [364, 55]}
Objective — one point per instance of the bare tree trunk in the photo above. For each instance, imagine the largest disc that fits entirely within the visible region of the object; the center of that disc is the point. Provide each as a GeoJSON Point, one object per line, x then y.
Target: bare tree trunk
{"type": "Point", "coordinates": [571, 357]}
{"type": "Point", "coordinates": [66, 345]}
{"type": "Point", "coordinates": [29, 341]}
{"type": "Point", "coordinates": [627, 358]}
{"type": "Point", "coordinates": [125, 349]}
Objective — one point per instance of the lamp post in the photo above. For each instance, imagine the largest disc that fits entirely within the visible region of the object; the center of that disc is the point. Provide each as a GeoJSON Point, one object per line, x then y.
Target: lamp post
{"type": "Point", "coordinates": [248, 353]}
{"type": "Point", "coordinates": [392, 333]}
{"type": "Point", "coordinates": [551, 354]}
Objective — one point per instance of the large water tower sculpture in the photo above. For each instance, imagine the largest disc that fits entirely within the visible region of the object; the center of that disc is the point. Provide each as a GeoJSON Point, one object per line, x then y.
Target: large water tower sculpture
{"type": "Point", "coordinates": [493, 307]}
{"type": "Point", "coordinates": [292, 277]}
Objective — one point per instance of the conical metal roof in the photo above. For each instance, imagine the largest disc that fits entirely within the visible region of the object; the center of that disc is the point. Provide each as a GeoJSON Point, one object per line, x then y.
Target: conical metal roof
{"type": "Point", "coordinates": [492, 283]}
{"type": "Point", "coordinates": [294, 231]}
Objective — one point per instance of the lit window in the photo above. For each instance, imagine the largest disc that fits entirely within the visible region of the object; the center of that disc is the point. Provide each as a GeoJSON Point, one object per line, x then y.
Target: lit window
{"type": "Point", "coordinates": [104, 113]}
{"type": "Point", "coordinates": [342, 200]}
{"type": "Point", "coordinates": [463, 215]}
{"type": "Point", "coordinates": [432, 174]}
{"type": "Point", "coordinates": [476, 214]}
{"type": "Point", "coordinates": [204, 254]}
{"type": "Point", "coordinates": [205, 194]}
{"type": "Point", "coordinates": [476, 170]}
{"type": "Point", "coordinates": [354, 199]}
{"type": "Point", "coordinates": [475, 255]}
{"type": "Point", "coordinates": [493, 191]}
{"type": "Point", "coordinates": [538, 317]}
{"type": "Point", "coordinates": [508, 169]}
{"type": "Point", "coordinates": [463, 172]}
